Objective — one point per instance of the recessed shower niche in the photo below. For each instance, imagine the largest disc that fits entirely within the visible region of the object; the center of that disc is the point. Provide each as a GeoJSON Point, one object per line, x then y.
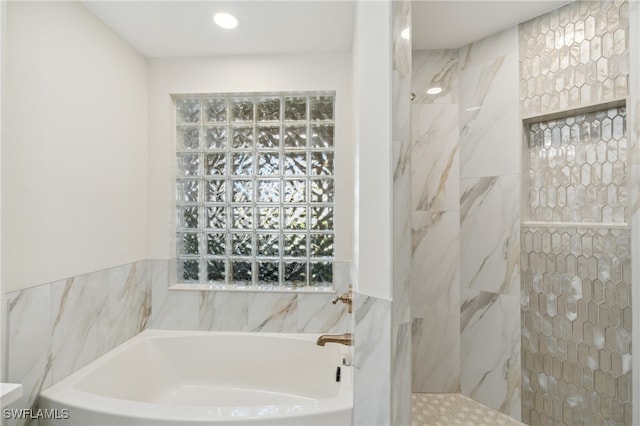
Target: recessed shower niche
{"type": "Point", "coordinates": [576, 167]}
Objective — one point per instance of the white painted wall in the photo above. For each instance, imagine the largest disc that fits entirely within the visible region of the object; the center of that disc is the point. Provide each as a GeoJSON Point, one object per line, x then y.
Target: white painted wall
{"type": "Point", "coordinates": [273, 73]}
{"type": "Point", "coordinates": [74, 152]}
{"type": "Point", "coordinates": [372, 117]}
{"type": "Point", "coordinates": [3, 335]}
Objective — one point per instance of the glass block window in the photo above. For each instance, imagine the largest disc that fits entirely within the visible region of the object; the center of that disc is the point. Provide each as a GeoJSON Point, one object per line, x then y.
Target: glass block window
{"type": "Point", "coordinates": [578, 168]}
{"type": "Point", "coordinates": [255, 189]}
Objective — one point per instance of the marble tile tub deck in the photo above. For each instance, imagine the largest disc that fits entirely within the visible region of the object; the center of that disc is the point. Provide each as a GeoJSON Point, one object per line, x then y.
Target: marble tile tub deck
{"type": "Point", "coordinates": [452, 409]}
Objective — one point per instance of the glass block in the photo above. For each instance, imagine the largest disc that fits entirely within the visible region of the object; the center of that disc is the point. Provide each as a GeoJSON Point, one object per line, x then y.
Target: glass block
{"type": "Point", "coordinates": [295, 245]}
{"type": "Point", "coordinates": [322, 218]}
{"type": "Point", "coordinates": [268, 163]}
{"type": "Point", "coordinates": [215, 164]}
{"type": "Point", "coordinates": [268, 190]}
{"type": "Point", "coordinates": [215, 191]}
{"type": "Point", "coordinates": [268, 110]}
{"type": "Point", "coordinates": [216, 244]}
{"type": "Point", "coordinates": [268, 273]}
{"type": "Point", "coordinates": [188, 216]}
{"type": "Point", "coordinates": [322, 136]}
{"type": "Point", "coordinates": [322, 191]}
{"type": "Point", "coordinates": [242, 137]}
{"type": "Point", "coordinates": [189, 270]}
{"type": "Point", "coordinates": [187, 110]}
{"type": "Point", "coordinates": [188, 244]}
{"type": "Point", "coordinates": [216, 271]}
{"type": "Point", "coordinates": [215, 111]}
{"type": "Point", "coordinates": [268, 137]}
{"type": "Point", "coordinates": [242, 190]}
{"type": "Point", "coordinates": [321, 245]}
{"type": "Point", "coordinates": [295, 273]}
{"type": "Point", "coordinates": [215, 137]}
{"type": "Point", "coordinates": [241, 244]}
{"type": "Point", "coordinates": [321, 273]}
{"type": "Point", "coordinates": [295, 109]}
{"type": "Point", "coordinates": [321, 108]}
{"type": "Point", "coordinates": [241, 272]}
{"type": "Point", "coordinates": [295, 190]}
{"type": "Point", "coordinates": [268, 245]}
{"type": "Point", "coordinates": [242, 110]}
{"type": "Point", "coordinates": [268, 218]}
{"type": "Point", "coordinates": [242, 217]}
{"type": "Point", "coordinates": [216, 217]}
{"type": "Point", "coordinates": [188, 137]}
{"type": "Point", "coordinates": [295, 218]}
{"type": "Point", "coordinates": [188, 191]}
{"type": "Point", "coordinates": [295, 163]}
{"type": "Point", "coordinates": [322, 163]}
{"type": "Point", "coordinates": [295, 137]}
{"type": "Point", "coordinates": [189, 164]}
{"type": "Point", "coordinates": [242, 164]}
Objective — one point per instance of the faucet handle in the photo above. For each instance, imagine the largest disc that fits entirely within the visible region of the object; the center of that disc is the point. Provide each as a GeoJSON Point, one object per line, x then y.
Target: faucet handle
{"type": "Point", "coordinates": [346, 298]}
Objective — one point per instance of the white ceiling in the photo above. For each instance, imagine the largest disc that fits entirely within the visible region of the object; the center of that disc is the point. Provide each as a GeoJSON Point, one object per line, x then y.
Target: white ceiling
{"type": "Point", "coordinates": [161, 29]}
{"type": "Point", "coordinates": [454, 23]}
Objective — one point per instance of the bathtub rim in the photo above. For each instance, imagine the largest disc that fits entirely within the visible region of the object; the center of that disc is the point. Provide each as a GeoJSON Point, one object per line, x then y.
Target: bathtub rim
{"type": "Point", "coordinates": [66, 395]}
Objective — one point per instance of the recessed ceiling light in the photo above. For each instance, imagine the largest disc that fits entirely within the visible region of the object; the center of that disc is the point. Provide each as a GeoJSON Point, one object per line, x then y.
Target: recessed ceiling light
{"type": "Point", "coordinates": [434, 90]}
{"type": "Point", "coordinates": [474, 108]}
{"type": "Point", "coordinates": [406, 33]}
{"type": "Point", "coordinates": [225, 20]}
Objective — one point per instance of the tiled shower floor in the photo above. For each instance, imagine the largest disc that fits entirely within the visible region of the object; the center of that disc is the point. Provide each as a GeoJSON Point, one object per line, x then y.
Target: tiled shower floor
{"type": "Point", "coordinates": [453, 409]}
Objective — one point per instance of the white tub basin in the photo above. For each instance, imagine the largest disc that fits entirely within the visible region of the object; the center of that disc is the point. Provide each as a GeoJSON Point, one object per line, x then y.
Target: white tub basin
{"type": "Point", "coordinates": [208, 378]}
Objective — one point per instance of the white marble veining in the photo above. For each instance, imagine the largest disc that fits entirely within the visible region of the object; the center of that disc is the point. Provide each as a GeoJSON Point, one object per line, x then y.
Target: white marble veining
{"type": "Point", "coordinates": [171, 309]}
{"type": "Point", "coordinates": [275, 312]}
{"type": "Point", "coordinates": [401, 374]}
{"type": "Point", "coordinates": [316, 314]}
{"type": "Point", "coordinates": [80, 313]}
{"type": "Point", "coordinates": [435, 166]}
{"type": "Point", "coordinates": [435, 68]}
{"type": "Point", "coordinates": [129, 301]}
{"type": "Point", "coordinates": [372, 361]}
{"type": "Point", "coordinates": [436, 354]}
{"type": "Point", "coordinates": [488, 49]}
{"type": "Point", "coordinates": [490, 373]}
{"type": "Point", "coordinates": [224, 311]}
{"type": "Point", "coordinates": [30, 360]}
{"type": "Point", "coordinates": [490, 234]}
{"type": "Point", "coordinates": [435, 269]}
{"type": "Point", "coordinates": [59, 327]}
{"type": "Point", "coordinates": [489, 123]}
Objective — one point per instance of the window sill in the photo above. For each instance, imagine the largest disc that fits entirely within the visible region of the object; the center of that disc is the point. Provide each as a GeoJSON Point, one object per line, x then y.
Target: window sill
{"type": "Point", "coordinates": [252, 289]}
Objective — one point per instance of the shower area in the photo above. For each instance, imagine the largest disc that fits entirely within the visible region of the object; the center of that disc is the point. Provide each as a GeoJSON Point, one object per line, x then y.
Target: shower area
{"type": "Point", "coordinates": [524, 213]}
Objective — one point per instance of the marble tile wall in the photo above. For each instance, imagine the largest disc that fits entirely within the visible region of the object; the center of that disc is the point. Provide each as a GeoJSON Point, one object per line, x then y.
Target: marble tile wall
{"type": "Point", "coordinates": [465, 182]}
{"type": "Point", "coordinates": [435, 223]}
{"type": "Point", "coordinates": [372, 361]}
{"type": "Point", "coordinates": [401, 217]}
{"type": "Point", "coordinates": [57, 328]}
{"type": "Point", "coordinates": [246, 311]}
{"type": "Point", "coordinates": [489, 221]}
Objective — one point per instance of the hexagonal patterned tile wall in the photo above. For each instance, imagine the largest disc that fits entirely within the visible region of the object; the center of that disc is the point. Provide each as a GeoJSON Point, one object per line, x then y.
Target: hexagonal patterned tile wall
{"type": "Point", "coordinates": [576, 326]}
{"type": "Point", "coordinates": [574, 56]}
{"type": "Point", "coordinates": [578, 168]}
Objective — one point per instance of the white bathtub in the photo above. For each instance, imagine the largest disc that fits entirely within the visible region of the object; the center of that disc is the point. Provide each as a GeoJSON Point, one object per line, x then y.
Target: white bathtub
{"type": "Point", "coordinates": [208, 378]}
